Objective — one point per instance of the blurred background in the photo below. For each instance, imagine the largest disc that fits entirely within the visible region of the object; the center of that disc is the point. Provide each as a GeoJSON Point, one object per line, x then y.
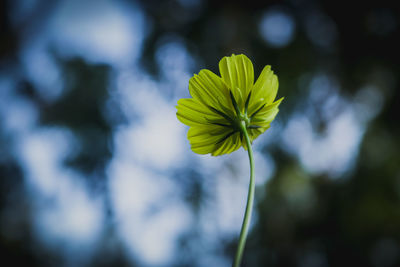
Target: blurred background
{"type": "Point", "coordinates": [95, 169]}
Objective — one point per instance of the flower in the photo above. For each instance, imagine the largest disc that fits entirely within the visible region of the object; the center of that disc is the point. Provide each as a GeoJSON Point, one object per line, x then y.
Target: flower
{"type": "Point", "coordinates": [221, 106]}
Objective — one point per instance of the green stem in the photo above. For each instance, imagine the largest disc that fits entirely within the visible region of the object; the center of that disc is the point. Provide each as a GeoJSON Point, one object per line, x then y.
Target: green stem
{"type": "Point", "coordinates": [250, 200]}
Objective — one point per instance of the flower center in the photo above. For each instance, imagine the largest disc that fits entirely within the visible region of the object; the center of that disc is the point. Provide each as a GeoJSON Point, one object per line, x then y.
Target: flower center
{"type": "Point", "coordinates": [240, 117]}
{"type": "Point", "coordinates": [238, 121]}
{"type": "Point", "coordinates": [243, 117]}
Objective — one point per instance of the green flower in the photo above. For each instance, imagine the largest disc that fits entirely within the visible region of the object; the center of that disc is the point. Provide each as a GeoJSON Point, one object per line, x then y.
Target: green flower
{"type": "Point", "coordinates": [221, 106]}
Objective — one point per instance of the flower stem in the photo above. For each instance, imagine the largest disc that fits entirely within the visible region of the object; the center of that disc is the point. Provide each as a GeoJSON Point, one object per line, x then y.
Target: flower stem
{"type": "Point", "coordinates": [250, 200]}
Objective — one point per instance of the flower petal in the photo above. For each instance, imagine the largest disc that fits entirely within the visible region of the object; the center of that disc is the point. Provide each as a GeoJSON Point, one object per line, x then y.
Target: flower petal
{"type": "Point", "coordinates": [264, 90]}
{"type": "Point", "coordinates": [192, 113]}
{"type": "Point", "coordinates": [203, 149]}
{"type": "Point", "coordinates": [238, 73]}
{"type": "Point", "coordinates": [227, 146]}
{"type": "Point", "coordinates": [236, 141]}
{"type": "Point", "coordinates": [205, 139]}
{"type": "Point", "coordinates": [206, 130]}
{"type": "Point", "coordinates": [267, 114]}
{"type": "Point", "coordinates": [210, 90]}
{"type": "Point", "coordinates": [254, 133]}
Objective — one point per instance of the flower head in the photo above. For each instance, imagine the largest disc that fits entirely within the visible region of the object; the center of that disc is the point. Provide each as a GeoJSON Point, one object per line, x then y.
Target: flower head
{"type": "Point", "coordinates": [221, 106]}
